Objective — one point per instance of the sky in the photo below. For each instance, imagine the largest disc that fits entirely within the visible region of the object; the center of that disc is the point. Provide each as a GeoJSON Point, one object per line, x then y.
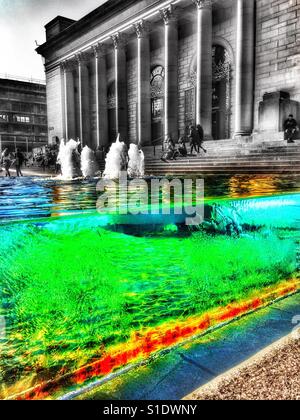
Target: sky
{"type": "Point", "coordinates": [22, 23]}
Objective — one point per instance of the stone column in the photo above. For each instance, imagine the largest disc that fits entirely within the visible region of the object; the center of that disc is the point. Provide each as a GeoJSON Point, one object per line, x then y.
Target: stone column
{"type": "Point", "coordinates": [143, 84]}
{"type": "Point", "coordinates": [204, 66]}
{"type": "Point", "coordinates": [101, 94]}
{"type": "Point", "coordinates": [84, 102]}
{"type": "Point", "coordinates": [69, 101]}
{"type": "Point", "coordinates": [121, 86]}
{"type": "Point", "coordinates": [171, 72]}
{"type": "Point", "coordinates": [244, 101]}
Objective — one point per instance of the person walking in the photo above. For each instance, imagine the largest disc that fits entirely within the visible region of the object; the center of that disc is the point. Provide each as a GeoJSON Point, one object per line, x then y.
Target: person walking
{"type": "Point", "coordinates": [201, 138]}
{"type": "Point", "coordinates": [194, 139]}
{"type": "Point", "coordinates": [290, 129]}
{"type": "Point", "coordinates": [19, 162]}
{"type": "Point", "coordinates": [6, 162]}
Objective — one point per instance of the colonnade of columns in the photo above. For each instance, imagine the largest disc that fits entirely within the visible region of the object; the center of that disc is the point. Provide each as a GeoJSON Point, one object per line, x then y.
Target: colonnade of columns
{"type": "Point", "coordinates": [244, 78]}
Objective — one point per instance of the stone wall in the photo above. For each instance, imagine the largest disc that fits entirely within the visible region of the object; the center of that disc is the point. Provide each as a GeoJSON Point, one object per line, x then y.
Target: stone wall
{"type": "Point", "coordinates": [277, 49]}
{"type": "Point", "coordinates": [55, 103]}
{"type": "Point", "coordinates": [132, 99]}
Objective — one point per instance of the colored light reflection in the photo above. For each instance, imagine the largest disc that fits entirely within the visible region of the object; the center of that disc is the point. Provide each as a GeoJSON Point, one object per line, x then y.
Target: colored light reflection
{"type": "Point", "coordinates": [82, 302]}
{"type": "Point", "coordinates": [144, 344]}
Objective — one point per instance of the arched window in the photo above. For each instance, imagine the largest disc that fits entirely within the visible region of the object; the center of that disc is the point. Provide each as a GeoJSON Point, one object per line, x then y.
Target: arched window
{"type": "Point", "coordinates": [157, 101]}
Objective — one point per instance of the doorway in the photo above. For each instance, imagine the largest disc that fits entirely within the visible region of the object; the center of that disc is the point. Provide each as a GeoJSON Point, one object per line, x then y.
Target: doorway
{"type": "Point", "coordinates": [221, 93]}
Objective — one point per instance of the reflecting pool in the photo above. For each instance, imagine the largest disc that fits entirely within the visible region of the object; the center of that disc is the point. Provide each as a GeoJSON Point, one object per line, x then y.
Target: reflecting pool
{"type": "Point", "coordinates": [81, 299]}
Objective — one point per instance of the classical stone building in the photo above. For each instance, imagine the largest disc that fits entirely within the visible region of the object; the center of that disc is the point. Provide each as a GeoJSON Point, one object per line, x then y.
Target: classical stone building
{"type": "Point", "coordinates": [148, 68]}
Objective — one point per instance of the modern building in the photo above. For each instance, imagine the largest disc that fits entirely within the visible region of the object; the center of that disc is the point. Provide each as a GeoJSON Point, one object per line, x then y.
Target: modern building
{"type": "Point", "coordinates": [23, 114]}
{"type": "Point", "coordinates": [149, 68]}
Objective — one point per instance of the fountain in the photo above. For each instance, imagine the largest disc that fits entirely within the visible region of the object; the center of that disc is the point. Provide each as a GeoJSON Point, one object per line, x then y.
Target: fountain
{"type": "Point", "coordinates": [89, 165]}
{"type": "Point", "coordinates": [69, 159]}
{"type": "Point", "coordinates": [116, 160]}
{"type": "Point", "coordinates": [136, 165]}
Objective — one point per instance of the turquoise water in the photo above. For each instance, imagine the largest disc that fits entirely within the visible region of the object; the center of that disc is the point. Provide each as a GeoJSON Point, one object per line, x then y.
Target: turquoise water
{"type": "Point", "coordinates": [75, 288]}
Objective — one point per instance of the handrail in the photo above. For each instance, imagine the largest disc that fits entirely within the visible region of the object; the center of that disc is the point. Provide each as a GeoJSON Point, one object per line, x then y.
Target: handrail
{"type": "Point", "coordinates": [157, 142]}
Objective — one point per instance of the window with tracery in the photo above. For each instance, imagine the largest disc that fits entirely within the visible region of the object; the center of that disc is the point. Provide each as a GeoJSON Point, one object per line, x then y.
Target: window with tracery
{"type": "Point", "coordinates": [189, 106]}
{"type": "Point", "coordinates": [157, 92]}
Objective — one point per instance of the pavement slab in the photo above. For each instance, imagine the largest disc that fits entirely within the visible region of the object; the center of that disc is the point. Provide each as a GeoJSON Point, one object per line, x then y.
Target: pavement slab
{"type": "Point", "coordinates": [272, 374]}
{"type": "Point", "coordinates": [187, 368]}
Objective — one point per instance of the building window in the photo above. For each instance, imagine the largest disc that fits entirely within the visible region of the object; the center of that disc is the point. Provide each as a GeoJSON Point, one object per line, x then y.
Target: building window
{"type": "Point", "coordinates": [157, 92]}
{"type": "Point", "coordinates": [157, 102]}
{"type": "Point", "coordinates": [4, 105]}
{"type": "Point", "coordinates": [157, 82]}
{"type": "Point", "coordinates": [3, 117]}
{"type": "Point", "coordinates": [40, 109]}
{"type": "Point", "coordinates": [41, 120]}
{"type": "Point", "coordinates": [190, 107]}
{"type": "Point", "coordinates": [22, 119]}
{"type": "Point", "coordinates": [157, 108]}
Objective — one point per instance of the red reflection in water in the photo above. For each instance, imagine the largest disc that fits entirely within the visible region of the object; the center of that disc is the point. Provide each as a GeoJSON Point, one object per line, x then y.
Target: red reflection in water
{"type": "Point", "coordinates": [142, 346]}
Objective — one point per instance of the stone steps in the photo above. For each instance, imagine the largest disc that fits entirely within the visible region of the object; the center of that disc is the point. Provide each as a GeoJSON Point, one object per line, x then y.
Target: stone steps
{"type": "Point", "coordinates": [233, 165]}
{"type": "Point", "coordinates": [236, 154]}
{"type": "Point", "coordinates": [223, 166]}
{"type": "Point", "coordinates": [230, 156]}
{"type": "Point", "coordinates": [222, 171]}
{"type": "Point", "coordinates": [254, 158]}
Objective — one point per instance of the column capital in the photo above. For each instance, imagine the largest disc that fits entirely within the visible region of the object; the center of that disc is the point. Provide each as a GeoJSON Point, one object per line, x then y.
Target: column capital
{"type": "Point", "coordinates": [119, 40]}
{"type": "Point", "coordinates": [142, 28]}
{"type": "Point", "coordinates": [67, 65]}
{"type": "Point", "coordinates": [203, 4]}
{"type": "Point", "coordinates": [82, 58]}
{"type": "Point", "coordinates": [168, 14]}
{"type": "Point", "coordinates": [99, 50]}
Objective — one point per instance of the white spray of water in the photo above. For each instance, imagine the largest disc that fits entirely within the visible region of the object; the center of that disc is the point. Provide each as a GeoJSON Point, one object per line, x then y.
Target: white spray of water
{"type": "Point", "coordinates": [68, 158]}
{"type": "Point", "coordinates": [116, 160]}
{"type": "Point", "coordinates": [136, 165]}
{"type": "Point", "coordinates": [89, 165]}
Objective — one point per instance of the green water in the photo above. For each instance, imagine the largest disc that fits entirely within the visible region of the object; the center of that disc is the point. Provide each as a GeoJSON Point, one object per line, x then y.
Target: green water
{"type": "Point", "coordinates": [70, 289]}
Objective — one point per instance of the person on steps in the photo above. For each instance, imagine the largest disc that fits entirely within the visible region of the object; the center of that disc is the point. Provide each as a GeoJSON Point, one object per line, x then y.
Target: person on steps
{"type": "Point", "coordinates": [170, 152]}
{"type": "Point", "coordinates": [194, 139]}
{"type": "Point", "coordinates": [290, 129]}
{"type": "Point", "coordinates": [201, 138]}
{"type": "Point", "coordinates": [182, 150]}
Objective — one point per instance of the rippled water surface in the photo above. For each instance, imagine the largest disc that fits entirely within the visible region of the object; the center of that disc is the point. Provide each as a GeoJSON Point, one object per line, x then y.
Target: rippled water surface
{"type": "Point", "coordinates": [35, 197]}
{"type": "Point", "coordinates": [73, 294]}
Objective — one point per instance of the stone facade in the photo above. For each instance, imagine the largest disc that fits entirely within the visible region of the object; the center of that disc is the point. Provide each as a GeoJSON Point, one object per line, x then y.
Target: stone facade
{"type": "Point", "coordinates": [277, 50]}
{"type": "Point", "coordinates": [55, 106]}
{"type": "Point", "coordinates": [238, 86]}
